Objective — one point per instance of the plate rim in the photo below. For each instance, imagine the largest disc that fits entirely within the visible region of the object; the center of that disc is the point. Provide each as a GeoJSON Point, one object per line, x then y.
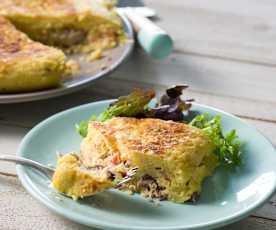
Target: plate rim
{"type": "Point", "coordinates": [60, 91]}
{"type": "Point", "coordinates": [31, 188]}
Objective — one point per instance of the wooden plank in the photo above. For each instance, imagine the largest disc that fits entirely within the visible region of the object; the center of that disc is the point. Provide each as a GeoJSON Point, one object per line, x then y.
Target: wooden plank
{"type": "Point", "coordinates": [219, 77]}
{"type": "Point", "coordinates": [252, 223]}
{"type": "Point", "coordinates": [268, 210]}
{"type": "Point", "coordinates": [267, 129]}
{"type": "Point", "coordinates": [240, 30]}
{"type": "Point", "coordinates": [20, 211]}
{"type": "Point", "coordinates": [10, 138]}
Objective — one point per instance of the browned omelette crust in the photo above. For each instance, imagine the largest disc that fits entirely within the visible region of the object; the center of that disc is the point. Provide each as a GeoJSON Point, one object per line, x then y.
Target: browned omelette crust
{"type": "Point", "coordinates": [167, 139]}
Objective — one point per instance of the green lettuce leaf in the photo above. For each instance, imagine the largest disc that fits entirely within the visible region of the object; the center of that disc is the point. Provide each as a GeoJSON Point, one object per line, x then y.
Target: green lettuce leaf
{"type": "Point", "coordinates": [131, 105]}
{"type": "Point", "coordinates": [227, 147]}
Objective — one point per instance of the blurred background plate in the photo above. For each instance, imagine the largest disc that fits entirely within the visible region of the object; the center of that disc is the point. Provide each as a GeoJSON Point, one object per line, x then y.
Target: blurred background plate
{"type": "Point", "coordinates": [89, 72]}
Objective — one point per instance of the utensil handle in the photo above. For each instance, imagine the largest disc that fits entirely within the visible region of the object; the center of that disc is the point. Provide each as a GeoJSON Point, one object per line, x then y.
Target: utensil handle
{"type": "Point", "coordinates": [27, 162]}
{"type": "Point", "coordinates": [154, 40]}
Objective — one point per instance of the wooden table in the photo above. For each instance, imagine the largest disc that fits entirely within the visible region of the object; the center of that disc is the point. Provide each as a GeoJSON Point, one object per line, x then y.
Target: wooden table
{"type": "Point", "coordinates": [225, 50]}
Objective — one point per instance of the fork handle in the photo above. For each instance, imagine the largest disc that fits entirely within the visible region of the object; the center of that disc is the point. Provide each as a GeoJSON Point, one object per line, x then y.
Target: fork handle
{"type": "Point", "coordinates": [24, 161]}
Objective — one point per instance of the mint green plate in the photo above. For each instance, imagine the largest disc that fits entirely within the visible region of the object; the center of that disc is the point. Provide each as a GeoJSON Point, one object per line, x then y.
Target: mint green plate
{"type": "Point", "coordinates": [227, 196]}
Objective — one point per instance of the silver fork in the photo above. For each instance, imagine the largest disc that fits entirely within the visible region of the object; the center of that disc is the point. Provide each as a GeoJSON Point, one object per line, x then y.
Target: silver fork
{"type": "Point", "coordinates": [48, 171]}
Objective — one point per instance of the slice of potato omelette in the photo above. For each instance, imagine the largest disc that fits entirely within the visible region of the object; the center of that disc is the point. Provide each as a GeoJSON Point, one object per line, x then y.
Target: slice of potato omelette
{"type": "Point", "coordinates": [172, 158]}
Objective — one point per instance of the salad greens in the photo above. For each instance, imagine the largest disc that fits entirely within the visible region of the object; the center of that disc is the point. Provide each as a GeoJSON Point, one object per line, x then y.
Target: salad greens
{"type": "Point", "coordinates": [227, 147]}
{"type": "Point", "coordinates": [82, 128]}
{"type": "Point", "coordinates": [172, 107]}
{"type": "Point", "coordinates": [132, 105]}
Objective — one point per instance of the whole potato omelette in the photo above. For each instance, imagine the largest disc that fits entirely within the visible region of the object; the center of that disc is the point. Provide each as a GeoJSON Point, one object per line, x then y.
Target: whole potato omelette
{"type": "Point", "coordinates": [30, 29]}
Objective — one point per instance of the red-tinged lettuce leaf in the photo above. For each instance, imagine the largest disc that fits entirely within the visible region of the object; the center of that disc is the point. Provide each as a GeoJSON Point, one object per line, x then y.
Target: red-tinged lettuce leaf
{"type": "Point", "coordinates": [171, 106]}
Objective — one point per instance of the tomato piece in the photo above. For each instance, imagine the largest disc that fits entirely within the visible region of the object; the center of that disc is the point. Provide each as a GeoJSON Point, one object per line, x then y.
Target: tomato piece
{"type": "Point", "coordinates": [116, 159]}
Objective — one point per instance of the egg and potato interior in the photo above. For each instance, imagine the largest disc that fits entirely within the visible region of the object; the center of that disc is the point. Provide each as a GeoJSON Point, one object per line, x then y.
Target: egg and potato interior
{"type": "Point", "coordinates": [173, 158]}
{"type": "Point", "coordinates": [76, 181]}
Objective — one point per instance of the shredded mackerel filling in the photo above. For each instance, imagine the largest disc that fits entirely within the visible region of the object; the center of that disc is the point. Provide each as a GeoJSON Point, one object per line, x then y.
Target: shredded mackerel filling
{"type": "Point", "coordinates": [150, 188]}
{"type": "Point", "coordinates": [65, 38]}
